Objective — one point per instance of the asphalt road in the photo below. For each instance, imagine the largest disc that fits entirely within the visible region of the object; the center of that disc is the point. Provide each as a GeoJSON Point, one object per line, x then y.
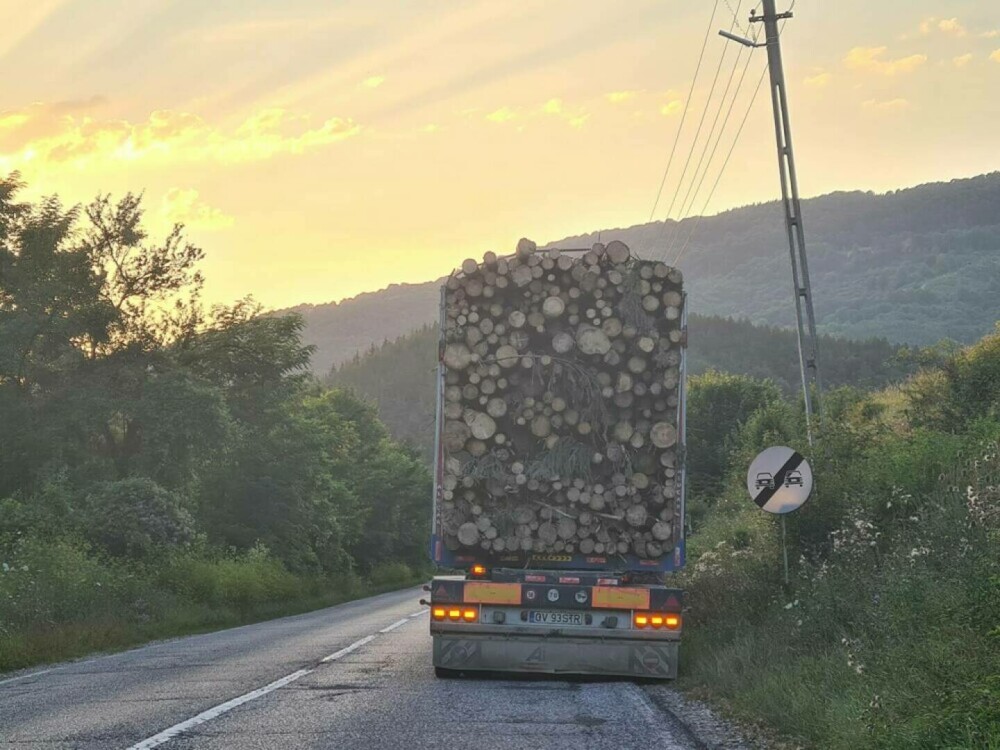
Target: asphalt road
{"type": "Point", "coordinates": [354, 676]}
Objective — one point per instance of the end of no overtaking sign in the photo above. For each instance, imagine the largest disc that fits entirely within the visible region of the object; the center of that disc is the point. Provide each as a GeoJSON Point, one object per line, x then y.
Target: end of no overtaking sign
{"type": "Point", "coordinates": [779, 480]}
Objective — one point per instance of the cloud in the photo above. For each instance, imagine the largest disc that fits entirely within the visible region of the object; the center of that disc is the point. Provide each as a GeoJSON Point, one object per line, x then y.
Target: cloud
{"type": "Point", "coordinates": [430, 128]}
{"type": "Point", "coordinates": [182, 206]}
{"type": "Point", "coordinates": [962, 60]}
{"type": "Point", "coordinates": [373, 82]}
{"type": "Point", "coordinates": [41, 135]}
{"type": "Point", "coordinates": [871, 59]}
{"type": "Point", "coordinates": [950, 26]}
{"type": "Point", "coordinates": [617, 97]}
{"type": "Point", "coordinates": [819, 80]}
{"type": "Point", "coordinates": [553, 107]}
{"type": "Point", "coordinates": [890, 105]}
{"type": "Point", "coordinates": [990, 34]}
{"type": "Point", "coordinates": [503, 114]}
{"type": "Point", "coordinates": [995, 55]}
{"type": "Point", "coordinates": [671, 108]}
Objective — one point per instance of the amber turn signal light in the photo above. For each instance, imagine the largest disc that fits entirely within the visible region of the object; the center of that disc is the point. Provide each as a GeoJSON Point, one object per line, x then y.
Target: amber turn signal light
{"type": "Point", "coordinates": [656, 620]}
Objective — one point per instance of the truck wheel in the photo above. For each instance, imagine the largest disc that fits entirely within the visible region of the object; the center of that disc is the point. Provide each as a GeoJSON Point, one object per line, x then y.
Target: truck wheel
{"type": "Point", "coordinates": [446, 674]}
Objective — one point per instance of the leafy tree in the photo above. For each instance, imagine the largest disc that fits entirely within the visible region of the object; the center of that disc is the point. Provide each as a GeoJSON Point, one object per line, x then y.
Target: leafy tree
{"type": "Point", "coordinates": [134, 417]}
{"type": "Point", "coordinates": [718, 406]}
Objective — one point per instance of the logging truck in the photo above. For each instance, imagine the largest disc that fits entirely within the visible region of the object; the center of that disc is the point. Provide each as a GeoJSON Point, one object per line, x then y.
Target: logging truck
{"type": "Point", "coordinates": [559, 482]}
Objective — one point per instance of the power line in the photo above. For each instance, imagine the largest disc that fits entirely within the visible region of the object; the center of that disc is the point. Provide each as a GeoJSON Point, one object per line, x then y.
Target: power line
{"type": "Point", "coordinates": [689, 196]}
{"type": "Point", "coordinates": [697, 133]}
{"type": "Point", "coordinates": [725, 163]}
{"type": "Point", "coordinates": [686, 211]}
{"type": "Point", "coordinates": [732, 148]}
{"type": "Point", "coordinates": [687, 104]}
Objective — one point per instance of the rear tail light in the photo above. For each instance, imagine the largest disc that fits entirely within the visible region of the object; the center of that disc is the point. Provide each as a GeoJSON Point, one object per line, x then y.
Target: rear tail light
{"type": "Point", "coordinates": [478, 571]}
{"type": "Point", "coordinates": [656, 620]}
{"type": "Point", "coordinates": [455, 614]}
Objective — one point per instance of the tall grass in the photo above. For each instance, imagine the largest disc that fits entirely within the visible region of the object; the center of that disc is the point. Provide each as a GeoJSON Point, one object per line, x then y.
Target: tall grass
{"type": "Point", "coordinates": [60, 599]}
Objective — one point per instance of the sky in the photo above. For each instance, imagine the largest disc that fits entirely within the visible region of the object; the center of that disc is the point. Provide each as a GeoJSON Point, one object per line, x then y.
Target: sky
{"type": "Point", "coordinates": [320, 149]}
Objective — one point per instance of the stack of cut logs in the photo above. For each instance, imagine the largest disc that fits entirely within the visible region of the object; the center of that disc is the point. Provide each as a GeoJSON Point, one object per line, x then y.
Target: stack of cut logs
{"type": "Point", "coordinates": [561, 403]}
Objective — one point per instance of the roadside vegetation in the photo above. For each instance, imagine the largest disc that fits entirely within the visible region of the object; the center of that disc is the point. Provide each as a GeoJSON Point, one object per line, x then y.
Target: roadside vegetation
{"type": "Point", "coordinates": [164, 467]}
{"type": "Point", "coordinates": [888, 635]}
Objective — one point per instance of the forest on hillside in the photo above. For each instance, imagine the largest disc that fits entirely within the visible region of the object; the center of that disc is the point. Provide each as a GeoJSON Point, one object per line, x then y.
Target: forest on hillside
{"type": "Point", "coordinates": [164, 466]}
{"type": "Point", "coordinates": [398, 376]}
{"type": "Point", "coordinates": [914, 266]}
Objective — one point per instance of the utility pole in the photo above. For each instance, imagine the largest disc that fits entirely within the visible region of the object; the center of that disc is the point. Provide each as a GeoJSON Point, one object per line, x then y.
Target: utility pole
{"type": "Point", "coordinates": [804, 315]}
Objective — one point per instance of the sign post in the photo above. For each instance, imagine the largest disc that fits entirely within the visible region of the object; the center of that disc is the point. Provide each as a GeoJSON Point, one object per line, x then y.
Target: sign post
{"type": "Point", "coordinates": [779, 481]}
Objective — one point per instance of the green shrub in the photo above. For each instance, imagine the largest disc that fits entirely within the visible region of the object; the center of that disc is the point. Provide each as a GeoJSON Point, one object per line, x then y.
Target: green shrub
{"type": "Point", "coordinates": [391, 574]}
{"type": "Point", "coordinates": [135, 517]}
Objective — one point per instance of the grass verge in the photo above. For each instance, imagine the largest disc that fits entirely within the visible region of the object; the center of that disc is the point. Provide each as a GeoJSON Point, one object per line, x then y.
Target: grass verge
{"type": "Point", "coordinates": [58, 600]}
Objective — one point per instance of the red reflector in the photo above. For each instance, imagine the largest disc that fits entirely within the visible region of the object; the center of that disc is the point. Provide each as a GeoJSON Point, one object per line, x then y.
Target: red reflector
{"type": "Point", "coordinates": [568, 579]}
{"type": "Point", "coordinates": [535, 579]}
{"type": "Point", "coordinates": [607, 581]}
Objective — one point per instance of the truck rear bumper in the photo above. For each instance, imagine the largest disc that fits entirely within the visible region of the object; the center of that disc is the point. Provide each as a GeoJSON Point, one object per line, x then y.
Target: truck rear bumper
{"type": "Point", "coordinates": [527, 653]}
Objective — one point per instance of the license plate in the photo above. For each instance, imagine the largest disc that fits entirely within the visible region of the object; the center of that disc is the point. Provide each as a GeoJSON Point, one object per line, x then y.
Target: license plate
{"type": "Point", "coordinates": [555, 618]}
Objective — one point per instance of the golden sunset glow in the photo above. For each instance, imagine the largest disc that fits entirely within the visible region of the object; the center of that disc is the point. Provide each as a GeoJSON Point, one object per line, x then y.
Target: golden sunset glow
{"type": "Point", "coordinates": [317, 150]}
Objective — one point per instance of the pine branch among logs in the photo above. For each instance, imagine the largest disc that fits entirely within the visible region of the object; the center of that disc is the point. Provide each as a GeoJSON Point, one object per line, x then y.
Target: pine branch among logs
{"type": "Point", "coordinates": [560, 429]}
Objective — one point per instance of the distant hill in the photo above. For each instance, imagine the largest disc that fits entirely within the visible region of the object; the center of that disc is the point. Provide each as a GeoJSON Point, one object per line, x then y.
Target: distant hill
{"type": "Point", "coordinates": [339, 330]}
{"type": "Point", "coordinates": [915, 265]}
{"type": "Point", "coordinates": [399, 375]}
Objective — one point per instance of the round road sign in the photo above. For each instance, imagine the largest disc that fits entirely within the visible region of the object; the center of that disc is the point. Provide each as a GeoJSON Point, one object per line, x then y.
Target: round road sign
{"type": "Point", "coordinates": [779, 480]}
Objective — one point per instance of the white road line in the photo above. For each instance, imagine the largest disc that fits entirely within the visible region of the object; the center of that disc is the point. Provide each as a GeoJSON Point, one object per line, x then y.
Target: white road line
{"type": "Point", "coordinates": [395, 625]}
{"type": "Point", "coordinates": [212, 713]}
{"type": "Point", "coordinates": [168, 734]}
{"type": "Point", "coordinates": [417, 614]}
{"type": "Point", "coordinates": [348, 649]}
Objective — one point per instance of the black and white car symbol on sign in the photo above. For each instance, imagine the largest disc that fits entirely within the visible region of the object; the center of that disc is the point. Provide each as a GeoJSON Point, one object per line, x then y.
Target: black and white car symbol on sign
{"type": "Point", "coordinates": [765, 479]}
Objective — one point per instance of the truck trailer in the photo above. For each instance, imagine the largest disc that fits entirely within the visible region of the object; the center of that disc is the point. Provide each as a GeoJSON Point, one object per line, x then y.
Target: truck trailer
{"type": "Point", "coordinates": [559, 478]}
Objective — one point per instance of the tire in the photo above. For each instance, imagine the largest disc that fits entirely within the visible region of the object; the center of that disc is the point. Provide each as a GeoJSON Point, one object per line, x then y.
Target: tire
{"type": "Point", "coordinates": [446, 674]}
